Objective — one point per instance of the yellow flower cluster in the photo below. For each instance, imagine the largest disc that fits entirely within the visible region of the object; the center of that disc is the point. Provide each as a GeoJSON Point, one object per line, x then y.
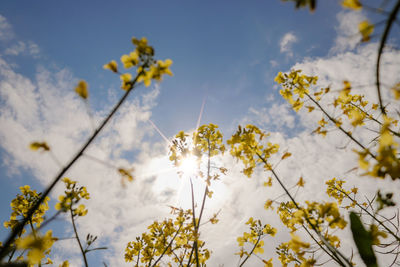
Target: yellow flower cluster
{"type": "Point", "coordinates": [257, 231]}
{"type": "Point", "coordinates": [208, 140]}
{"type": "Point", "coordinates": [170, 238]}
{"type": "Point", "coordinates": [295, 86]}
{"type": "Point", "coordinates": [205, 142]}
{"type": "Point", "coordinates": [143, 59]}
{"type": "Point", "coordinates": [321, 215]}
{"type": "Point", "coordinates": [246, 146]}
{"type": "Point", "coordinates": [23, 203]}
{"type": "Point", "coordinates": [387, 162]}
{"type": "Point", "coordinates": [37, 246]}
{"type": "Point", "coordinates": [351, 105]}
{"type": "Point", "coordinates": [294, 251]}
{"type": "Point", "coordinates": [72, 195]}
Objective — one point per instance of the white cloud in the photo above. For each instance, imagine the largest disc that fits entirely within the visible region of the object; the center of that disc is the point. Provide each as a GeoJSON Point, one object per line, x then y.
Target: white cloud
{"type": "Point", "coordinates": [46, 108]}
{"type": "Point", "coordinates": [276, 117]}
{"type": "Point", "coordinates": [286, 43]}
{"type": "Point", "coordinates": [29, 48]}
{"type": "Point", "coordinates": [32, 109]}
{"type": "Point", "coordinates": [6, 32]}
{"type": "Point", "coordinates": [347, 31]}
{"type": "Point", "coordinates": [16, 47]}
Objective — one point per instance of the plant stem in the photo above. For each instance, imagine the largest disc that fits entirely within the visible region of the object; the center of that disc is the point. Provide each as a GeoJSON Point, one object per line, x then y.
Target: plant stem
{"type": "Point", "coordinates": [251, 252]}
{"type": "Point", "coordinates": [372, 215]}
{"type": "Point", "coordinates": [169, 245]}
{"type": "Point", "coordinates": [338, 257]}
{"type": "Point", "coordinates": [340, 127]}
{"type": "Point", "coordinates": [391, 19]}
{"type": "Point", "coordinates": [20, 226]}
{"type": "Point", "coordinates": [77, 237]}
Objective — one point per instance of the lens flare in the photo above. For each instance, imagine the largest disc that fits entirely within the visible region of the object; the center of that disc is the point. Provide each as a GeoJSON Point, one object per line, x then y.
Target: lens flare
{"type": "Point", "coordinates": [188, 166]}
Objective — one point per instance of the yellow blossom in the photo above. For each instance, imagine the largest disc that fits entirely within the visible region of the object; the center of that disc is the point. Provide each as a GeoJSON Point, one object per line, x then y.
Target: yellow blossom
{"type": "Point", "coordinates": [352, 4]}
{"type": "Point", "coordinates": [82, 89]}
{"type": "Point", "coordinates": [366, 29]}
{"type": "Point", "coordinates": [126, 79]}
{"type": "Point", "coordinates": [112, 65]}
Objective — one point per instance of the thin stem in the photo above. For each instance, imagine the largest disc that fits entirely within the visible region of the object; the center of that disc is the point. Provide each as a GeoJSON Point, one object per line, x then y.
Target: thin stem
{"type": "Point", "coordinates": [315, 240]}
{"type": "Point", "coordinates": [338, 256]}
{"type": "Point", "coordinates": [372, 215]}
{"type": "Point", "coordinates": [77, 237]}
{"type": "Point", "coordinates": [373, 119]}
{"type": "Point", "coordinates": [50, 219]}
{"type": "Point", "coordinates": [197, 226]}
{"type": "Point", "coordinates": [20, 226]}
{"type": "Point", "coordinates": [138, 257]}
{"type": "Point", "coordinates": [195, 248]}
{"type": "Point", "coordinates": [391, 19]}
{"type": "Point", "coordinates": [251, 252]}
{"type": "Point", "coordinates": [169, 245]}
{"type": "Point", "coordinates": [340, 127]}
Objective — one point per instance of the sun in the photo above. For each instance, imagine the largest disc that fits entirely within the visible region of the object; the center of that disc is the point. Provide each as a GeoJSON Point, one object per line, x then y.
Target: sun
{"type": "Point", "coordinates": [188, 166]}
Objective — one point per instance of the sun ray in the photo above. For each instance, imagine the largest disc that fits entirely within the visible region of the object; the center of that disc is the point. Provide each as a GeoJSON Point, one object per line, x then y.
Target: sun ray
{"type": "Point", "coordinates": [201, 112]}
{"type": "Point", "coordinates": [159, 131]}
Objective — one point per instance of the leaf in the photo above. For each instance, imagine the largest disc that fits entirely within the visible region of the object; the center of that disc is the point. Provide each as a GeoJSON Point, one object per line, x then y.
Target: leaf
{"type": "Point", "coordinates": [82, 89]}
{"type": "Point", "coordinates": [366, 29]}
{"type": "Point", "coordinates": [363, 240]}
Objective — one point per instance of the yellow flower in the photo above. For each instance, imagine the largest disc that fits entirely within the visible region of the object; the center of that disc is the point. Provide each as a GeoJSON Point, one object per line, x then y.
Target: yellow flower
{"type": "Point", "coordinates": [146, 76]}
{"type": "Point", "coordinates": [126, 79]}
{"type": "Point", "coordinates": [296, 244]}
{"type": "Point", "coordinates": [39, 145]}
{"type": "Point", "coordinates": [366, 29]}
{"type": "Point", "coordinates": [80, 210]}
{"type": "Point", "coordinates": [259, 248]}
{"type": "Point", "coordinates": [82, 89]}
{"type": "Point", "coordinates": [352, 4]}
{"type": "Point", "coordinates": [37, 246]}
{"type": "Point", "coordinates": [301, 182]}
{"type": "Point", "coordinates": [268, 204]}
{"type": "Point", "coordinates": [268, 263]}
{"type": "Point", "coordinates": [112, 65]}
{"type": "Point", "coordinates": [396, 91]}
{"type": "Point", "coordinates": [279, 78]}
{"type": "Point", "coordinates": [130, 60]}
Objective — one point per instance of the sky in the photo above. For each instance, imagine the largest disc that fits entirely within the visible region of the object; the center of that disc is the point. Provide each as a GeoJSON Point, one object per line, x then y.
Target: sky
{"type": "Point", "coordinates": [225, 56]}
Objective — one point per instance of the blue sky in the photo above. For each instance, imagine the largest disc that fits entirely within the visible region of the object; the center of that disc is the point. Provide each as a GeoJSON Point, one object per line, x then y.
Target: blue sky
{"type": "Point", "coordinates": [224, 52]}
{"type": "Point", "coordinates": [218, 50]}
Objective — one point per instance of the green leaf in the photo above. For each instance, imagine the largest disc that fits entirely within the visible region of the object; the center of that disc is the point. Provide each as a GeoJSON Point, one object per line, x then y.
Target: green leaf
{"type": "Point", "coordinates": [363, 241]}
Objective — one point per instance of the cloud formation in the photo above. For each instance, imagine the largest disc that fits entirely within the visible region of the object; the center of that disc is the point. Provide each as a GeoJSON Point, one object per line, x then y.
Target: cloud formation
{"type": "Point", "coordinates": [29, 48]}
{"type": "Point", "coordinates": [32, 109]}
{"type": "Point", "coordinates": [348, 36]}
{"type": "Point", "coordinates": [6, 31]}
{"type": "Point", "coordinates": [286, 43]}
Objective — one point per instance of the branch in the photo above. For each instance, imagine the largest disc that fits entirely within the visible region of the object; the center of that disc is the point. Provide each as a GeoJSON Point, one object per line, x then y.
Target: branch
{"type": "Point", "coordinates": [77, 237]}
{"type": "Point", "coordinates": [338, 257]}
{"type": "Point", "coordinates": [169, 245]}
{"type": "Point", "coordinates": [20, 226]}
{"type": "Point", "coordinates": [251, 252]}
{"type": "Point", "coordinates": [385, 35]}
